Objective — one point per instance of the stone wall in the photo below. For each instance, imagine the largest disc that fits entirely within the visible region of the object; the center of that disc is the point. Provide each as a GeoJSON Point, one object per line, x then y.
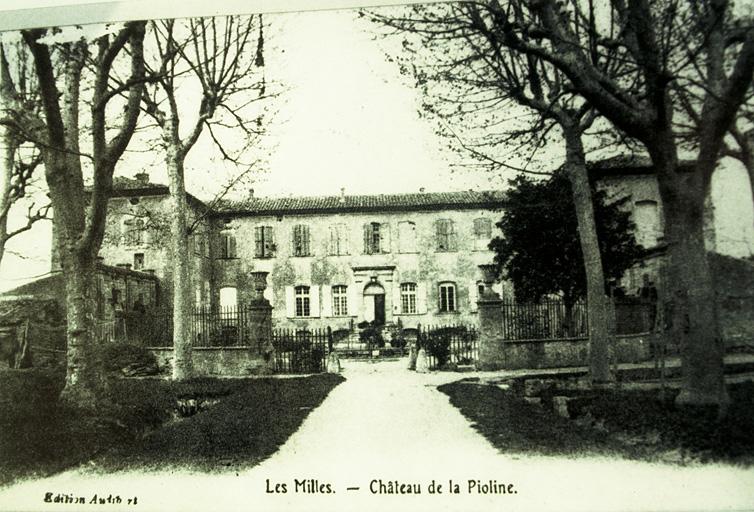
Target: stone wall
{"type": "Point", "coordinates": [213, 362]}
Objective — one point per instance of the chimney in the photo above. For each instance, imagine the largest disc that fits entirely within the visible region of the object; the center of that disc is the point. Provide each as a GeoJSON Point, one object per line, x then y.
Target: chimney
{"type": "Point", "coordinates": [251, 193]}
{"type": "Point", "coordinates": [142, 177]}
{"type": "Point", "coordinates": [421, 190]}
{"type": "Point", "coordinates": [342, 194]}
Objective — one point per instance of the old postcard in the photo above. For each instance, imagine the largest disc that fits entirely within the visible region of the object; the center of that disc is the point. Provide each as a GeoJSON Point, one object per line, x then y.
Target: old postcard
{"type": "Point", "coordinates": [365, 255]}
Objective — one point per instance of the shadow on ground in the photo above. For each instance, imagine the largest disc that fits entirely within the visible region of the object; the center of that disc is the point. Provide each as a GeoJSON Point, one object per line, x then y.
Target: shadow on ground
{"type": "Point", "coordinates": [642, 425]}
{"type": "Point", "coordinates": [244, 422]}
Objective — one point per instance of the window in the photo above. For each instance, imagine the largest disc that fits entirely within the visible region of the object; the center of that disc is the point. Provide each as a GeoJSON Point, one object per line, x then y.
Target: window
{"type": "Point", "coordinates": [228, 297]}
{"type": "Point", "coordinates": [338, 240]}
{"type": "Point", "coordinates": [198, 244]}
{"type": "Point", "coordinates": [138, 261]}
{"type": "Point", "coordinates": [447, 297]}
{"type": "Point", "coordinates": [372, 238]}
{"type": "Point", "coordinates": [301, 240]}
{"type": "Point", "coordinates": [408, 298]}
{"type": "Point", "coordinates": [227, 245]}
{"type": "Point", "coordinates": [301, 294]}
{"type": "Point", "coordinates": [482, 233]}
{"type": "Point", "coordinates": [446, 236]}
{"type": "Point", "coordinates": [406, 236]}
{"type": "Point", "coordinates": [264, 243]}
{"type": "Point", "coordinates": [339, 300]}
{"type": "Point", "coordinates": [134, 231]}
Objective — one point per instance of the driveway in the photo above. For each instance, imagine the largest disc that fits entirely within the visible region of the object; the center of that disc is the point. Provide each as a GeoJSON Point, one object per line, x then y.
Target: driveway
{"type": "Point", "coordinates": [384, 428]}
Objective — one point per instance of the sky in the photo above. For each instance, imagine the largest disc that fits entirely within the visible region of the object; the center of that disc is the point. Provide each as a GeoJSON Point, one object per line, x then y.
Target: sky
{"type": "Point", "coordinates": [346, 119]}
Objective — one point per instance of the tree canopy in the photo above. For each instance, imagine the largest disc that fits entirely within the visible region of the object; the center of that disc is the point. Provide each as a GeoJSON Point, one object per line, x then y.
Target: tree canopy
{"type": "Point", "coordinates": [539, 250]}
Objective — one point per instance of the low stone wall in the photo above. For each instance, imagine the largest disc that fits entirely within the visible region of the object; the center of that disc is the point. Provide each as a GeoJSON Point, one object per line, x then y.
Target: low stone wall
{"type": "Point", "coordinates": [217, 361]}
{"type": "Point", "coordinates": [513, 355]}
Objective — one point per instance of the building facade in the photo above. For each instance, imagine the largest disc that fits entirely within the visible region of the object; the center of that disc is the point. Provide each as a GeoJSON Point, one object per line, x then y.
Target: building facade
{"type": "Point", "coordinates": [331, 261]}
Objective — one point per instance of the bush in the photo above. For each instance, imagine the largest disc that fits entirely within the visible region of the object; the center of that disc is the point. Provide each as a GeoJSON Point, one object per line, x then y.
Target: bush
{"type": "Point", "coordinates": [437, 343]}
{"type": "Point", "coordinates": [125, 357]}
{"type": "Point", "coordinates": [372, 334]}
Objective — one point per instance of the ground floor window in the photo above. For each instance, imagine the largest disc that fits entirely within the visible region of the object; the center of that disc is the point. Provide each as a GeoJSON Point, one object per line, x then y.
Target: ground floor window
{"type": "Point", "coordinates": [447, 297]}
{"type": "Point", "coordinates": [301, 294]}
{"type": "Point", "coordinates": [339, 300]}
{"type": "Point", "coordinates": [408, 298]}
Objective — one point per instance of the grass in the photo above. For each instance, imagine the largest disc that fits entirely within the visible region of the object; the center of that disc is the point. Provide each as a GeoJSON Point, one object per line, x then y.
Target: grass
{"type": "Point", "coordinates": [249, 420]}
{"type": "Point", "coordinates": [632, 424]}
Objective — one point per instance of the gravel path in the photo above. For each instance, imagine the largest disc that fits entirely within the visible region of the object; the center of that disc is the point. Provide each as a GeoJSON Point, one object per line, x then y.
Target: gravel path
{"type": "Point", "coordinates": [385, 423]}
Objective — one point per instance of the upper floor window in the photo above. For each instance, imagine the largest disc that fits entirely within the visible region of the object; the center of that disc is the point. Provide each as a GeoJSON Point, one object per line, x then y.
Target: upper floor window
{"type": "Point", "coordinates": [227, 245]}
{"type": "Point", "coordinates": [264, 242]}
{"type": "Point", "coordinates": [446, 235]}
{"type": "Point", "coordinates": [482, 233]}
{"type": "Point", "coordinates": [406, 236]}
{"type": "Point", "coordinates": [134, 231]}
{"type": "Point", "coordinates": [301, 245]}
{"type": "Point", "coordinates": [338, 240]}
{"type": "Point", "coordinates": [447, 296]}
{"type": "Point", "coordinates": [302, 301]}
{"type": "Point", "coordinates": [408, 298]}
{"type": "Point", "coordinates": [138, 261]}
{"type": "Point", "coordinates": [339, 300]}
{"type": "Point", "coordinates": [376, 238]}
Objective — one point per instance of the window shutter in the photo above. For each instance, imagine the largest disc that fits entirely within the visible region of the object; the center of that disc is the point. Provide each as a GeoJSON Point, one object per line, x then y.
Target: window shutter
{"type": "Point", "coordinates": [396, 297]}
{"type": "Point", "coordinates": [473, 296]}
{"type": "Point", "coordinates": [290, 302]}
{"type": "Point", "coordinates": [333, 248]}
{"type": "Point", "coordinates": [314, 301]}
{"type": "Point", "coordinates": [326, 300]}
{"type": "Point", "coordinates": [421, 298]}
{"type": "Point", "coordinates": [232, 246]}
{"type": "Point", "coordinates": [385, 237]}
{"type": "Point", "coordinates": [269, 294]}
{"type": "Point", "coordinates": [354, 303]}
{"type": "Point", "coordinates": [271, 240]}
{"type": "Point", "coordinates": [305, 240]}
{"type": "Point", "coordinates": [367, 237]}
{"type": "Point", "coordinates": [345, 239]}
{"type": "Point", "coordinates": [259, 241]}
{"type": "Point", "coordinates": [452, 240]}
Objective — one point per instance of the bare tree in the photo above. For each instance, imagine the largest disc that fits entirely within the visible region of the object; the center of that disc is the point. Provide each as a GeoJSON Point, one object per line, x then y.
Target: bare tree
{"type": "Point", "coordinates": [480, 81]}
{"type": "Point", "coordinates": [79, 214]}
{"type": "Point", "coordinates": [641, 105]}
{"type": "Point", "coordinates": [216, 57]}
{"type": "Point", "coordinates": [20, 157]}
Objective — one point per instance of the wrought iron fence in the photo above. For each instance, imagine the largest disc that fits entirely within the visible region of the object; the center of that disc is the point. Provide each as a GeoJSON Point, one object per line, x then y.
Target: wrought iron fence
{"type": "Point", "coordinates": [457, 344]}
{"type": "Point", "coordinates": [548, 319]}
{"type": "Point", "coordinates": [552, 319]}
{"type": "Point", "coordinates": [300, 351]}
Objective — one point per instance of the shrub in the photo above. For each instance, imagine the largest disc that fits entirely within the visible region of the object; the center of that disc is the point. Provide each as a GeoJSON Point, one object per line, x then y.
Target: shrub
{"type": "Point", "coordinates": [120, 357]}
{"type": "Point", "coordinates": [437, 344]}
{"type": "Point", "coordinates": [372, 334]}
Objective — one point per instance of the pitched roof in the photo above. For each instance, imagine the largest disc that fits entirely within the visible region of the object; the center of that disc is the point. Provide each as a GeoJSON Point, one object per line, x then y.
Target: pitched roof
{"type": "Point", "coordinates": [363, 203]}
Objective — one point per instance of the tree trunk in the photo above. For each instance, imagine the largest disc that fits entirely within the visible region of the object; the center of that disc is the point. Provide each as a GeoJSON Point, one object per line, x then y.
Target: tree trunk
{"type": "Point", "coordinates": [182, 342]}
{"type": "Point", "coordinates": [689, 291]}
{"type": "Point", "coordinates": [599, 341]}
{"type": "Point", "coordinates": [85, 381]}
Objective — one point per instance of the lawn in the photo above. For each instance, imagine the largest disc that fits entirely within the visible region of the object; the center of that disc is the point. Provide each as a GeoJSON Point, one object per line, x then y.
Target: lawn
{"type": "Point", "coordinates": [632, 424]}
{"type": "Point", "coordinates": [243, 422]}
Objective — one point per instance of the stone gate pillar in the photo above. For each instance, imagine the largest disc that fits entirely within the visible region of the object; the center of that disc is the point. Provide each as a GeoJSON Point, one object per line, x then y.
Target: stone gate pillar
{"type": "Point", "coordinates": [260, 316]}
{"type": "Point", "coordinates": [491, 348]}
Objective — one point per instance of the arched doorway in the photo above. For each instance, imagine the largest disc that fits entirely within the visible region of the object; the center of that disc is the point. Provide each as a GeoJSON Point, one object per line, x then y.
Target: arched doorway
{"type": "Point", "coordinates": [374, 303]}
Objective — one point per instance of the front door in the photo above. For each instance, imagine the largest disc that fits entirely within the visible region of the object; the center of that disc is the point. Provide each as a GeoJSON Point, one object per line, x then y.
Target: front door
{"type": "Point", "coordinates": [379, 309]}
